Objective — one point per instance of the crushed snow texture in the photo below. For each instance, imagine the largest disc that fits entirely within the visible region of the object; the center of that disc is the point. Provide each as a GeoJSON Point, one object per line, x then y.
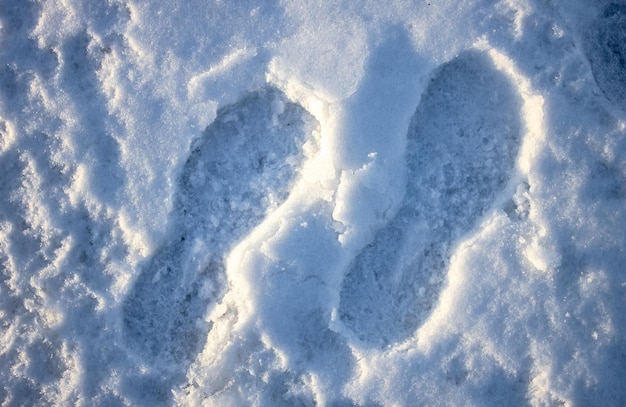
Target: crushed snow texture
{"type": "Point", "coordinates": [300, 204]}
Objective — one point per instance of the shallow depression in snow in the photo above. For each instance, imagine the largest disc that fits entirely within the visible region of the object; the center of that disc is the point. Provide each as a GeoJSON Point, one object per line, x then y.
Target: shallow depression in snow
{"type": "Point", "coordinates": [461, 151]}
{"type": "Point", "coordinates": [244, 165]}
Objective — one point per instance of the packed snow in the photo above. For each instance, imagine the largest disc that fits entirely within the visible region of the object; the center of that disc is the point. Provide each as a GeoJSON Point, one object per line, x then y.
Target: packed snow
{"type": "Point", "coordinates": [301, 203]}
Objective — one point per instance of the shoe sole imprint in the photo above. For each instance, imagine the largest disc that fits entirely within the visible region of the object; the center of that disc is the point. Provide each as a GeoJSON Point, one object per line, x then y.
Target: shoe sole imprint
{"type": "Point", "coordinates": [243, 166]}
{"type": "Point", "coordinates": [462, 145]}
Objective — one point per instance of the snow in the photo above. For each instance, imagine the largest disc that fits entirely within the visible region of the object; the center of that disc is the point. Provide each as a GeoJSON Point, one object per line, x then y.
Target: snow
{"type": "Point", "coordinates": [313, 203]}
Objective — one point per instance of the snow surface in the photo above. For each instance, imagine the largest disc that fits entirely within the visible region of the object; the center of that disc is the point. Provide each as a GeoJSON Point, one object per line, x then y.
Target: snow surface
{"type": "Point", "coordinates": [313, 203]}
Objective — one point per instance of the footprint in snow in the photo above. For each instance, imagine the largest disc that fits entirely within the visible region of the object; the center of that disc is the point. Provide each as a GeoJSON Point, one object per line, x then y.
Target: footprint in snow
{"type": "Point", "coordinates": [462, 145]}
{"type": "Point", "coordinates": [243, 166]}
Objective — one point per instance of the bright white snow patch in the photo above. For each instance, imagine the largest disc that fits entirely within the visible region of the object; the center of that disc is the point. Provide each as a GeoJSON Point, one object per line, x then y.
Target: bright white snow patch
{"type": "Point", "coordinates": [298, 203]}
